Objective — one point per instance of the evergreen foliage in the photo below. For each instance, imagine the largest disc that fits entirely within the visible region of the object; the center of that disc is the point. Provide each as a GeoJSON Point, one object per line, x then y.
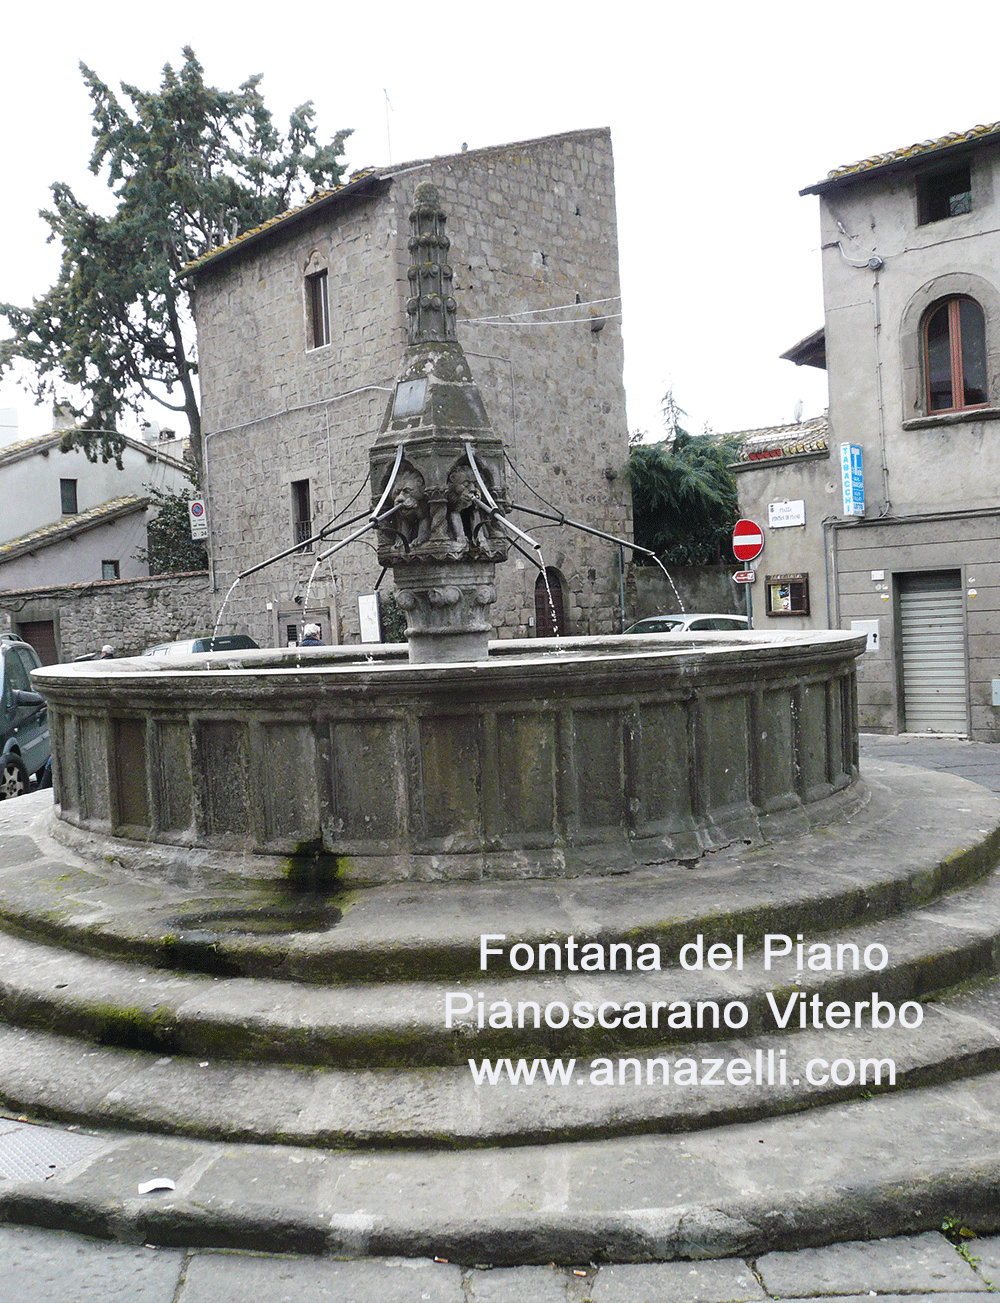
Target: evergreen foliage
{"type": "Point", "coordinates": [684, 498]}
{"type": "Point", "coordinates": [393, 618]}
{"type": "Point", "coordinates": [190, 167]}
{"type": "Point", "coordinates": [170, 548]}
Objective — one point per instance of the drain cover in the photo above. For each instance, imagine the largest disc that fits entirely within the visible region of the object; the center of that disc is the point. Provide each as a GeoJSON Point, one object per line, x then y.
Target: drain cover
{"type": "Point", "coordinates": [33, 1153]}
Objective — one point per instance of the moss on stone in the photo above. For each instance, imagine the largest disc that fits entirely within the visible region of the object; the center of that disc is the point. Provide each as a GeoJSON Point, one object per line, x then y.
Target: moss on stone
{"type": "Point", "coordinates": [127, 1027]}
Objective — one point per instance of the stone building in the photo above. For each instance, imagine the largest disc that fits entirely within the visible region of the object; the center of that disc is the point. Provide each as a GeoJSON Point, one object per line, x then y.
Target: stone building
{"type": "Point", "coordinates": [65, 621]}
{"type": "Point", "coordinates": [899, 537]}
{"type": "Point", "coordinates": [301, 330]}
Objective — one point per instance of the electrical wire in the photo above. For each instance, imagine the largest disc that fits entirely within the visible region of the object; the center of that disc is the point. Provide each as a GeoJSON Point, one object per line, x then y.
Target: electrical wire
{"type": "Point", "coordinates": [563, 307]}
{"type": "Point", "coordinates": [529, 487]}
{"type": "Point", "coordinates": [525, 325]}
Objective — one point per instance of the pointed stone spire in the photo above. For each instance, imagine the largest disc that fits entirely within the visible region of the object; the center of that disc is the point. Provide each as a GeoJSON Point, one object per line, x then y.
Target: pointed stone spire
{"type": "Point", "coordinates": [438, 466]}
{"type": "Point", "coordinates": [431, 308]}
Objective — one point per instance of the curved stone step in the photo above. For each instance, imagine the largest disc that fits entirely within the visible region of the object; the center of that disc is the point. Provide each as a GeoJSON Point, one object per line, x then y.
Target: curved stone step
{"type": "Point", "coordinates": [373, 1063]}
{"type": "Point", "coordinates": [68, 1080]}
{"type": "Point", "coordinates": [916, 839]}
{"type": "Point", "coordinates": [892, 1165]}
{"type": "Point", "coordinates": [955, 938]}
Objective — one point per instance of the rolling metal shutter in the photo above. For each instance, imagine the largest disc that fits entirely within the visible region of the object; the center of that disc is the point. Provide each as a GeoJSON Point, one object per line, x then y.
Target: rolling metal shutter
{"type": "Point", "coordinates": [932, 634]}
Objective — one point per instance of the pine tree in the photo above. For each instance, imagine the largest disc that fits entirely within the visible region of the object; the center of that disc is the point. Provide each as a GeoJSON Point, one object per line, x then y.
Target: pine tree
{"type": "Point", "coordinates": [684, 498]}
{"type": "Point", "coordinates": [190, 167]}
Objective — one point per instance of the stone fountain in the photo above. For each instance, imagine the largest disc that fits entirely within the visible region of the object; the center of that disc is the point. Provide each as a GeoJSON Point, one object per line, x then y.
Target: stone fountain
{"type": "Point", "coordinates": [468, 759]}
{"type": "Point", "coordinates": [281, 865]}
{"type": "Point", "coordinates": [437, 458]}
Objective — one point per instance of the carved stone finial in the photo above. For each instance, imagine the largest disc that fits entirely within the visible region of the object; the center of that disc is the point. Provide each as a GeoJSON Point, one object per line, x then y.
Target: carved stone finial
{"type": "Point", "coordinates": [431, 307]}
{"type": "Point", "coordinates": [437, 467]}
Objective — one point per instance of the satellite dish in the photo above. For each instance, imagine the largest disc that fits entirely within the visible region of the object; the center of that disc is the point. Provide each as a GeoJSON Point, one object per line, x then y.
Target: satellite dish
{"type": "Point", "coordinates": [151, 432]}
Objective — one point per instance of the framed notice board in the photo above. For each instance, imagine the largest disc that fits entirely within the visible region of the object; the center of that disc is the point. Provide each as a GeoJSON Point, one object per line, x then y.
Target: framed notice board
{"type": "Point", "coordinates": [787, 594]}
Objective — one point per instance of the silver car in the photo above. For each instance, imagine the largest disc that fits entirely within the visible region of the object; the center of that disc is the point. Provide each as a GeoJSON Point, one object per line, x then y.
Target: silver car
{"type": "Point", "coordinates": [191, 646]}
{"type": "Point", "coordinates": [689, 624]}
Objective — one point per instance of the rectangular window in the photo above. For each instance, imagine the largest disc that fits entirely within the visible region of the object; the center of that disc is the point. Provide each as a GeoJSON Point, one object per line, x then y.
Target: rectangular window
{"type": "Point", "coordinates": [301, 514]}
{"type": "Point", "coordinates": [944, 194]}
{"type": "Point", "coordinates": [67, 492]}
{"type": "Point", "coordinates": [787, 594]}
{"type": "Point", "coordinates": [109, 570]}
{"type": "Point", "coordinates": [318, 300]}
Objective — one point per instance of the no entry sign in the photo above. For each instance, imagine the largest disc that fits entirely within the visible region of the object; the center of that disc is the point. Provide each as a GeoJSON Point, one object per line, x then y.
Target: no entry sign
{"type": "Point", "coordinates": [748, 540]}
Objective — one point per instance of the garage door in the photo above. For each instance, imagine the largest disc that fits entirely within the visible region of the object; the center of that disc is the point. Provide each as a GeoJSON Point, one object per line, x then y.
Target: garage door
{"type": "Point", "coordinates": [41, 635]}
{"type": "Point", "coordinates": [932, 631]}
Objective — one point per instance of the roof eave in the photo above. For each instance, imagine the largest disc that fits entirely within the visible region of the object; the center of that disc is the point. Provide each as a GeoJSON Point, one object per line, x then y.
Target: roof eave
{"type": "Point", "coordinates": [810, 351]}
{"type": "Point", "coordinates": [908, 164]}
{"type": "Point", "coordinates": [370, 183]}
{"type": "Point", "coordinates": [38, 541]}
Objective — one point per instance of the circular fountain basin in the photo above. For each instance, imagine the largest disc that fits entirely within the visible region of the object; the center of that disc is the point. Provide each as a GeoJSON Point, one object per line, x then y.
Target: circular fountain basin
{"type": "Point", "coordinates": [561, 757]}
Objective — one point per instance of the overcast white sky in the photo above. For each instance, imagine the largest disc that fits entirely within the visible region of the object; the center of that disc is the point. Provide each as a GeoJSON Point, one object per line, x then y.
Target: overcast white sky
{"type": "Point", "coordinates": [720, 113]}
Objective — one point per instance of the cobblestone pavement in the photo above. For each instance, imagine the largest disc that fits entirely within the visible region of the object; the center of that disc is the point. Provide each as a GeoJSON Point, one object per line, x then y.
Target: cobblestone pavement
{"type": "Point", "coordinates": [51, 1266]}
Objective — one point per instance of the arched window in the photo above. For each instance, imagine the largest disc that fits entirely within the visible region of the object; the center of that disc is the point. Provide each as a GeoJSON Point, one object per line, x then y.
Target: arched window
{"type": "Point", "coordinates": [955, 356]}
{"type": "Point", "coordinates": [549, 619]}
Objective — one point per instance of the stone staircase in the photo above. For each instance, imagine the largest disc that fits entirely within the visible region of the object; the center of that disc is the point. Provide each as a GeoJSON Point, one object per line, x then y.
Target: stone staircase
{"type": "Point", "coordinates": [218, 1008]}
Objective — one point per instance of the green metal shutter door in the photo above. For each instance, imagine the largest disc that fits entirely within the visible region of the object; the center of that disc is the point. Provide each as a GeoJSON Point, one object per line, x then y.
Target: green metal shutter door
{"type": "Point", "coordinates": [932, 631]}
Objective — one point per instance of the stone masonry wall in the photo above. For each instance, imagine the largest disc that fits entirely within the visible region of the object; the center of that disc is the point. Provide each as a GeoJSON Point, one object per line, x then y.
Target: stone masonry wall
{"type": "Point", "coordinates": [533, 233]}
{"type": "Point", "coordinates": [700, 588]}
{"type": "Point", "coordinates": [130, 614]}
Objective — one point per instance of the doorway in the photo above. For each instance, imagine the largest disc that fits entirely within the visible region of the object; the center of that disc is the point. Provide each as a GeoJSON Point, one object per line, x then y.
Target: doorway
{"type": "Point", "coordinates": [550, 622]}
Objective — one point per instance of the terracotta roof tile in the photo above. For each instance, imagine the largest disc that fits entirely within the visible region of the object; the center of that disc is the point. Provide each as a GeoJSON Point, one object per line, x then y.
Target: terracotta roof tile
{"type": "Point", "coordinates": [904, 154]}
{"type": "Point", "coordinates": [772, 441]}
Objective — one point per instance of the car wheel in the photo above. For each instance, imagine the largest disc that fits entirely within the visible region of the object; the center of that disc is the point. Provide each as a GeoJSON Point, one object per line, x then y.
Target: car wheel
{"type": "Point", "coordinates": [14, 778]}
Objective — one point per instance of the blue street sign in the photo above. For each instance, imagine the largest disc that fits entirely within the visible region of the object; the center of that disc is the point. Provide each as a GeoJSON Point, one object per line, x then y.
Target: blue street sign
{"type": "Point", "coordinates": [852, 479]}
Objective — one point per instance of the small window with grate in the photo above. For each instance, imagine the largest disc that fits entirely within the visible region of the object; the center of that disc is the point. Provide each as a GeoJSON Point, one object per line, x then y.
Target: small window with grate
{"type": "Point", "coordinates": [301, 514]}
{"type": "Point", "coordinates": [944, 194]}
{"type": "Point", "coordinates": [109, 570]}
{"type": "Point", "coordinates": [67, 494]}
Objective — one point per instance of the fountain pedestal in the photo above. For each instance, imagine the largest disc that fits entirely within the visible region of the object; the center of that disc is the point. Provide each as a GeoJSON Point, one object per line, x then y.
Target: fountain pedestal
{"type": "Point", "coordinates": [447, 608]}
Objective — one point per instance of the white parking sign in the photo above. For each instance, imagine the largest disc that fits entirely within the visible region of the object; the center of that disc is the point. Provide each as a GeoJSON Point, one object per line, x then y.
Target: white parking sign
{"type": "Point", "coordinates": [199, 521]}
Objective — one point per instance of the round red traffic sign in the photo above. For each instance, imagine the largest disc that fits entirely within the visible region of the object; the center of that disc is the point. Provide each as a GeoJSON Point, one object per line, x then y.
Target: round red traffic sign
{"type": "Point", "coordinates": [748, 540]}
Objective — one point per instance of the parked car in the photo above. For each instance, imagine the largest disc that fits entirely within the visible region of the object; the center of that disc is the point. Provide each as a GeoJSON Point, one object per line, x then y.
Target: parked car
{"type": "Point", "coordinates": [24, 722]}
{"type": "Point", "coordinates": [190, 646]}
{"type": "Point", "coordinates": [689, 624]}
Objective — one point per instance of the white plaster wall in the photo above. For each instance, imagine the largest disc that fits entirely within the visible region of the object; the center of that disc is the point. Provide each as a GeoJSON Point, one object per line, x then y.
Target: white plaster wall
{"type": "Point", "coordinates": [78, 560]}
{"type": "Point", "coordinates": [29, 485]}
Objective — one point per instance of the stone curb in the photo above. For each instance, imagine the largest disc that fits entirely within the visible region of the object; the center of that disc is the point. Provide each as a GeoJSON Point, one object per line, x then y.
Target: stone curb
{"type": "Point", "coordinates": [427, 930]}
{"type": "Point", "coordinates": [847, 1172]}
{"type": "Point", "coordinates": [744, 1227]}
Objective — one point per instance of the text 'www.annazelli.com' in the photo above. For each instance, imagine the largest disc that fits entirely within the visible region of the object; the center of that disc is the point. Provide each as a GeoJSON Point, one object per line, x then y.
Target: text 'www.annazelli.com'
{"type": "Point", "coordinates": [765, 1068]}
